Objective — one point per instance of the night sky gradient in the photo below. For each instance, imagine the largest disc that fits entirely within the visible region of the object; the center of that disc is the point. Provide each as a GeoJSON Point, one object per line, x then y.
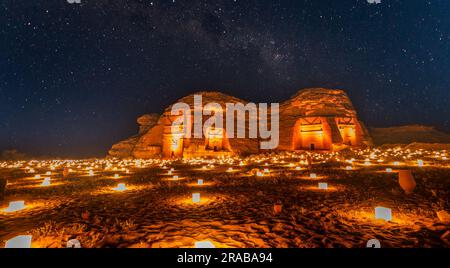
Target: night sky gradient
{"type": "Point", "coordinates": [74, 77]}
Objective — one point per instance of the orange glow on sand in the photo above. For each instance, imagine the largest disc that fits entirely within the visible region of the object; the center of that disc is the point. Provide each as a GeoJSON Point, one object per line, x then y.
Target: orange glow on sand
{"type": "Point", "coordinates": [236, 208]}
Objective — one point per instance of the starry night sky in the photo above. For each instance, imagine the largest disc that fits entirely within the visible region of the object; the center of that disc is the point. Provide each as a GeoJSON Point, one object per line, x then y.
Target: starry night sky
{"type": "Point", "coordinates": [74, 77]}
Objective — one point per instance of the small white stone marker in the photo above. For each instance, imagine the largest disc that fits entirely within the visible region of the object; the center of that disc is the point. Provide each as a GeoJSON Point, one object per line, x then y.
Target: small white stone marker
{"type": "Point", "coordinates": [204, 244]}
{"type": "Point", "coordinates": [46, 182]}
{"type": "Point", "coordinates": [323, 186]}
{"type": "Point", "coordinates": [373, 243]}
{"type": "Point", "coordinates": [313, 175]}
{"type": "Point", "coordinates": [15, 206]}
{"type": "Point", "coordinates": [120, 187]}
{"type": "Point", "coordinates": [196, 197]}
{"type": "Point", "coordinates": [383, 213]}
{"type": "Point", "coordinates": [200, 182]}
{"type": "Point", "coordinates": [389, 170]}
{"type": "Point", "coordinates": [73, 243]}
{"type": "Point", "coordinates": [20, 241]}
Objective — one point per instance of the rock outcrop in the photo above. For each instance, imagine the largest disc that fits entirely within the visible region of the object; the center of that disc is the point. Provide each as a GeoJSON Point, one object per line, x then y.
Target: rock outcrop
{"type": "Point", "coordinates": [408, 134]}
{"type": "Point", "coordinates": [125, 148]}
{"type": "Point", "coordinates": [328, 114]}
{"type": "Point", "coordinates": [146, 122]}
{"type": "Point", "coordinates": [319, 102]}
{"type": "Point", "coordinates": [159, 141]}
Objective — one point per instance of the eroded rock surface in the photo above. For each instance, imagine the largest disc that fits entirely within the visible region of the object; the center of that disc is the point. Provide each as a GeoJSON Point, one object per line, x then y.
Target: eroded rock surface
{"type": "Point", "coordinates": [330, 106]}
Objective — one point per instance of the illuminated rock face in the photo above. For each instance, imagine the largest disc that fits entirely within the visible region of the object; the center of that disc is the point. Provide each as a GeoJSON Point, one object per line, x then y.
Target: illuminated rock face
{"type": "Point", "coordinates": [160, 141]}
{"type": "Point", "coordinates": [126, 147]}
{"type": "Point", "coordinates": [214, 142]}
{"type": "Point", "coordinates": [318, 119]}
{"type": "Point", "coordinates": [146, 122]}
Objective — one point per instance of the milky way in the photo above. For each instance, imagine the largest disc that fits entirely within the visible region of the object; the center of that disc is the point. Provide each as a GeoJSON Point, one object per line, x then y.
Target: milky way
{"type": "Point", "coordinates": [75, 76]}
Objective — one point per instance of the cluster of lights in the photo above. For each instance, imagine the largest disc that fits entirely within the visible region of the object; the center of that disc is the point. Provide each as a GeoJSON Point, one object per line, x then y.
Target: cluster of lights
{"type": "Point", "coordinates": [371, 158]}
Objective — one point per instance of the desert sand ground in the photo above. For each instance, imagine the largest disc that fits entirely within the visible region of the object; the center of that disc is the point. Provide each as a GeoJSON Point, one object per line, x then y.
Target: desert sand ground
{"type": "Point", "coordinates": [238, 205]}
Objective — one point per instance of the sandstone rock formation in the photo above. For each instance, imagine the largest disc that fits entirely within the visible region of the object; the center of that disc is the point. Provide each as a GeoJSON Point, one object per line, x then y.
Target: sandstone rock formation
{"type": "Point", "coordinates": [146, 122]}
{"type": "Point", "coordinates": [220, 144]}
{"type": "Point", "coordinates": [408, 134]}
{"type": "Point", "coordinates": [318, 118]}
{"type": "Point", "coordinates": [125, 148]}
{"type": "Point", "coordinates": [158, 140]}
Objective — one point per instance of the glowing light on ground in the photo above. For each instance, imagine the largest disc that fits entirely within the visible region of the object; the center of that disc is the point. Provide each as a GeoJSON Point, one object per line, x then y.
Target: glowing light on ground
{"type": "Point", "coordinates": [121, 187]}
{"type": "Point", "coordinates": [46, 182]}
{"type": "Point", "coordinates": [196, 197]}
{"type": "Point", "coordinates": [277, 207]}
{"type": "Point", "coordinates": [21, 241]}
{"type": "Point", "coordinates": [204, 244]}
{"type": "Point", "coordinates": [383, 213]}
{"type": "Point", "coordinates": [15, 206]}
{"type": "Point", "coordinates": [282, 166]}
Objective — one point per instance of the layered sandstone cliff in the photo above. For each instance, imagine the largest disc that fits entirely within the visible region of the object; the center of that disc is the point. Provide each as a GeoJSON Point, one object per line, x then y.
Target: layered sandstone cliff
{"type": "Point", "coordinates": [125, 148]}
{"type": "Point", "coordinates": [332, 109]}
{"type": "Point", "coordinates": [320, 106]}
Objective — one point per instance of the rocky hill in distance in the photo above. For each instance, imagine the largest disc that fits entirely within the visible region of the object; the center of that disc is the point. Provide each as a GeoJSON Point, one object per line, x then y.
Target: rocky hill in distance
{"type": "Point", "coordinates": [417, 136]}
